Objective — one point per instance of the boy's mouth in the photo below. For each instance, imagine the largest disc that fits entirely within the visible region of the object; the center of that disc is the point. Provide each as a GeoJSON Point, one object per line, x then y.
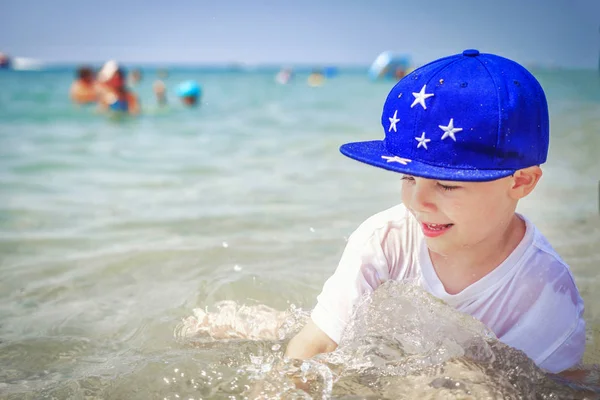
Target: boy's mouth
{"type": "Point", "coordinates": [433, 230]}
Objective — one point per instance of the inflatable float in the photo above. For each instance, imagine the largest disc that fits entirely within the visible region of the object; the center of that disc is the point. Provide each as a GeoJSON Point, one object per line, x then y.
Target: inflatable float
{"type": "Point", "coordinates": [189, 92]}
{"type": "Point", "coordinates": [389, 65]}
{"type": "Point", "coordinates": [189, 89]}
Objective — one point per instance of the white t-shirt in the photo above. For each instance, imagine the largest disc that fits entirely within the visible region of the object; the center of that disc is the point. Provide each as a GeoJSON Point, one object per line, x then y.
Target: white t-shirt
{"type": "Point", "coordinates": [530, 301]}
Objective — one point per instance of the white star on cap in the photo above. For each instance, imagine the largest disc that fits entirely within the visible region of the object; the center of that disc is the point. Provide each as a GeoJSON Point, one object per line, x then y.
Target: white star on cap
{"type": "Point", "coordinates": [420, 98]}
{"type": "Point", "coordinates": [422, 141]}
{"type": "Point", "coordinates": [393, 121]}
{"type": "Point", "coordinates": [450, 130]}
{"type": "Point", "coordinates": [397, 159]}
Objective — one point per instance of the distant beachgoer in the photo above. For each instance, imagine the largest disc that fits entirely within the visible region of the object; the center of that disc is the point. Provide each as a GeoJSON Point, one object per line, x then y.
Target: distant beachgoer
{"type": "Point", "coordinates": [135, 77]}
{"type": "Point", "coordinates": [284, 76]}
{"type": "Point", "coordinates": [316, 78]}
{"type": "Point", "coordinates": [4, 61]}
{"type": "Point", "coordinates": [115, 95]}
{"type": "Point", "coordinates": [399, 73]}
{"type": "Point", "coordinates": [330, 71]}
{"type": "Point", "coordinates": [189, 92]}
{"type": "Point", "coordinates": [160, 91]}
{"type": "Point", "coordinates": [83, 89]}
{"type": "Point", "coordinates": [104, 75]}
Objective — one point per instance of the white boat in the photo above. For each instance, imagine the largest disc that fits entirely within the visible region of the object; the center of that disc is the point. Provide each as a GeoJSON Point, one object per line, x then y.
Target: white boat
{"type": "Point", "coordinates": [26, 64]}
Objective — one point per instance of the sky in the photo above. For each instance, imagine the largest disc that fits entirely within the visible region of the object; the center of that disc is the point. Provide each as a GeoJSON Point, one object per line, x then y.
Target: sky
{"type": "Point", "coordinates": [560, 33]}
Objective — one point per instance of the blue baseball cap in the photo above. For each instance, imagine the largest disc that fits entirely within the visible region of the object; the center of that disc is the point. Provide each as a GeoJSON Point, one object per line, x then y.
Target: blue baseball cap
{"type": "Point", "coordinates": [466, 117]}
{"type": "Point", "coordinates": [189, 89]}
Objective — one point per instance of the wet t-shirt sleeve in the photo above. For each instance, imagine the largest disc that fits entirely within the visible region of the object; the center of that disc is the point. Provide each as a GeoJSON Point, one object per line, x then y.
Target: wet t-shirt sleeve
{"type": "Point", "coordinates": [552, 330]}
{"type": "Point", "coordinates": [365, 264]}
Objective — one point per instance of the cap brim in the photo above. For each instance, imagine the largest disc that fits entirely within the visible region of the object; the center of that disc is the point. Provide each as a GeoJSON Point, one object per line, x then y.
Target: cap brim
{"type": "Point", "coordinates": [374, 153]}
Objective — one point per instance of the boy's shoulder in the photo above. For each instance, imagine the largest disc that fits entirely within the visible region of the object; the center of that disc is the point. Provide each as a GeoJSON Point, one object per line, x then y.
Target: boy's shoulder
{"type": "Point", "coordinates": [542, 290]}
{"type": "Point", "coordinates": [394, 230]}
{"type": "Point", "coordinates": [395, 216]}
{"type": "Point", "coordinates": [398, 212]}
{"type": "Point", "coordinates": [542, 248]}
{"type": "Point", "coordinates": [541, 266]}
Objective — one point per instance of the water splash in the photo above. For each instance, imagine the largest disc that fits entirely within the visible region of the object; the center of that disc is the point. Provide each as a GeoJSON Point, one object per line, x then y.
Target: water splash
{"type": "Point", "coordinates": [401, 343]}
{"type": "Point", "coordinates": [233, 321]}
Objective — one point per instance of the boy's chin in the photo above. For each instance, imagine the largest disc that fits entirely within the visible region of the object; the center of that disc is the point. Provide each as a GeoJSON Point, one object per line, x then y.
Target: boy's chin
{"type": "Point", "coordinates": [441, 246]}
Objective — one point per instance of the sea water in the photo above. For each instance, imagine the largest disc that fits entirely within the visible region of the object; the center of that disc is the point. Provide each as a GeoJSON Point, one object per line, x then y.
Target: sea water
{"type": "Point", "coordinates": [113, 231]}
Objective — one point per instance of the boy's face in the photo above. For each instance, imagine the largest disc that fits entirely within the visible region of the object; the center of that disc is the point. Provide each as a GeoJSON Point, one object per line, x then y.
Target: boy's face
{"type": "Point", "coordinates": [455, 216]}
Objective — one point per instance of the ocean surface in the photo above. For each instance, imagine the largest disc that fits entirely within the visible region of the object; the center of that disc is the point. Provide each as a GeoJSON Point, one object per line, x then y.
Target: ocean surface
{"type": "Point", "coordinates": [113, 231]}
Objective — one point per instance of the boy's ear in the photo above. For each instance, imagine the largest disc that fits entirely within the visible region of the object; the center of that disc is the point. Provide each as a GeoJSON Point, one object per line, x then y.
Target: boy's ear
{"type": "Point", "coordinates": [524, 181]}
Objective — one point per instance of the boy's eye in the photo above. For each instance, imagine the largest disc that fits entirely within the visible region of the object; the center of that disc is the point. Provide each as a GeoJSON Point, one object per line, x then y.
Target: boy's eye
{"type": "Point", "coordinates": [447, 187]}
{"type": "Point", "coordinates": [441, 185]}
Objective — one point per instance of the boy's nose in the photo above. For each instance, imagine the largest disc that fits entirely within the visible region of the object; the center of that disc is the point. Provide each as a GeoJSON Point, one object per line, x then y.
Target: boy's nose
{"type": "Point", "coordinates": [422, 198]}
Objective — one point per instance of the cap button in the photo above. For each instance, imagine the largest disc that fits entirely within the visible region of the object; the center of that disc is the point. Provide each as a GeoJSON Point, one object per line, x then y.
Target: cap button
{"type": "Point", "coordinates": [471, 53]}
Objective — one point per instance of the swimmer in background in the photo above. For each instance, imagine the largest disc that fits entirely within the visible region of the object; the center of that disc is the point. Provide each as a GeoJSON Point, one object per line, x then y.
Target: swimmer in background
{"type": "Point", "coordinates": [284, 76]}
{"type": "Point", "coordinates": [115, 95]}
{"type": "Point", "coordinates": [4, 61]}
{"type": "Point", "coordinates": [316, 78]}
{"type": "Point", "coordinates": [399, 73]}
{"type": "Point", "coordinates": [190, 93]}
{"type": "Point", "coordinates": [83, 89]}
{"type": "Point", "coordinates": [160, 91]}
{"type": "Point", "coordinates": [135, 77]}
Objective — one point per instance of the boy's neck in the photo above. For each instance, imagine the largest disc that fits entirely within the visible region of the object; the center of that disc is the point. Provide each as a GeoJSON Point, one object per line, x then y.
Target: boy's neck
{"type": "Point", "coordinates": [462, 269]}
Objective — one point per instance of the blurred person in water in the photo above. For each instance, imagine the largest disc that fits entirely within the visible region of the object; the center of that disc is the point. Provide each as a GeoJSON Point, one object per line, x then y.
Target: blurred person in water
{"type": "Point", "coordinates": [83, 89]}
{"type": "Point", "coordinates": [190, 93]}
{"type": "Point", "coordinates": [114, 94]}
{"type": "Point", "coordinates": [135, 77]}
{"type": "Point", "coordinates": [160, 92]}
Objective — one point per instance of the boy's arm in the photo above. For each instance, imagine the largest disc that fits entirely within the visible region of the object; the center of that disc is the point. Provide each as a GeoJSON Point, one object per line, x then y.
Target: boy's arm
{"type": "Point", "coordinates": [362, 268]}
{"type": "Point", "coordinates": [310, 341]}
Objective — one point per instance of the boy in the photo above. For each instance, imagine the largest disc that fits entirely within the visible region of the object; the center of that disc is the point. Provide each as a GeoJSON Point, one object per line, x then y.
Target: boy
{"type": "Point", "coordinates": [468, 132]}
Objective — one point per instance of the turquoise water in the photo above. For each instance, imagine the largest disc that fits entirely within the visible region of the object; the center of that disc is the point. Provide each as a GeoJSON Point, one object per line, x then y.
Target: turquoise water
{"type": "Point", "coordinates": [112, 231]}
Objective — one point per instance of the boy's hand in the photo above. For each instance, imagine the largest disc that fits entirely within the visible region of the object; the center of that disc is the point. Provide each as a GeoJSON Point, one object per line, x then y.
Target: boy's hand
{"type": "Point", "coordinates": [310, 341]}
